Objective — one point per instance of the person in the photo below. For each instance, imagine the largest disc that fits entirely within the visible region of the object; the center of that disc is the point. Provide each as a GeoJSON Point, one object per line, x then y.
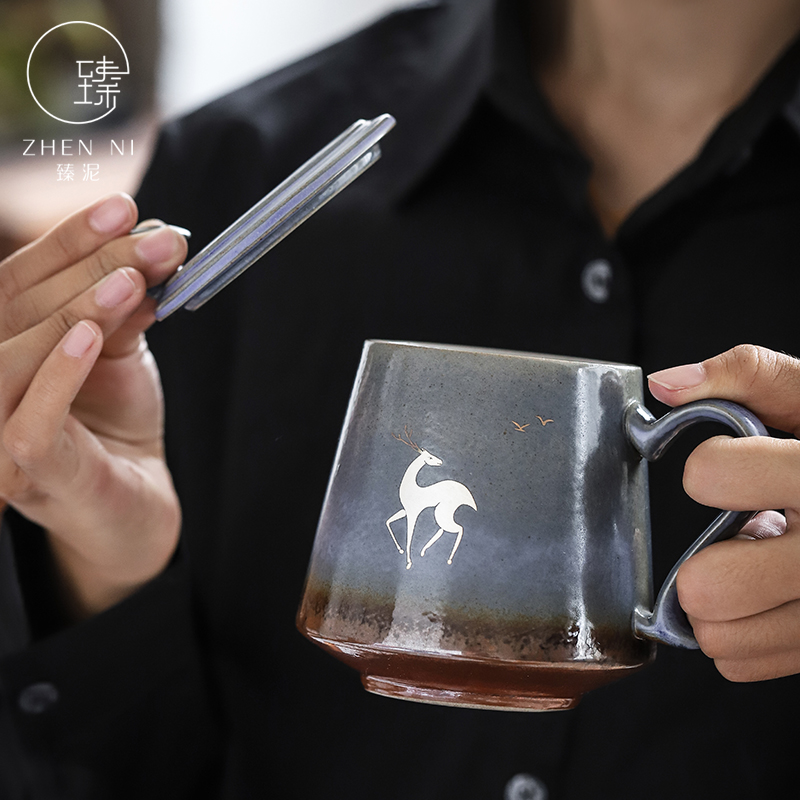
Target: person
{"type": "Point", "coordinates": [616, 180]}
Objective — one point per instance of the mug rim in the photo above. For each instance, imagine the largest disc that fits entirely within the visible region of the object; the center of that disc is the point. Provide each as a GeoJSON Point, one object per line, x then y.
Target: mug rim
{"type": "Point", "coordinates": [496, 351]}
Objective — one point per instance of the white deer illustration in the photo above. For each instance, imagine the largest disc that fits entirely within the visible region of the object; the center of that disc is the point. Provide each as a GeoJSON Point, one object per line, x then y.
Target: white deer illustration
{"type": "Point", "coordinates": [444, 497]}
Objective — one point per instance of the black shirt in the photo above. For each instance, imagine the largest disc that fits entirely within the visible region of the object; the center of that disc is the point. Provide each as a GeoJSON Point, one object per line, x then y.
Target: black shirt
{"type": "Point", "coordinates": [474, 228]}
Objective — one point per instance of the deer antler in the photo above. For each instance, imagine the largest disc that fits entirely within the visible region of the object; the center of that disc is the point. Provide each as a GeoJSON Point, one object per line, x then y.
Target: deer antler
{"type": "Point", "coordinates": [407, 441]}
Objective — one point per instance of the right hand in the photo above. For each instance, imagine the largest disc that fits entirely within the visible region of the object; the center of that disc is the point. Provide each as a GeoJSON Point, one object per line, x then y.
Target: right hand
{"type": "Point", "coordinates": [742, 595]}
{"type": "Point", "coordinates": [81, 409]}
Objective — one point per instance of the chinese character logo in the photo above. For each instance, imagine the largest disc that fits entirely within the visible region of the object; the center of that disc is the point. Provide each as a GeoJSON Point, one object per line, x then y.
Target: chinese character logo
{"type": "Point", "coordinates": [106, 84]}
{"type": "Point", "coordinates": [65, 172]}
{"type": "Point", "coordinates": [88, 87]}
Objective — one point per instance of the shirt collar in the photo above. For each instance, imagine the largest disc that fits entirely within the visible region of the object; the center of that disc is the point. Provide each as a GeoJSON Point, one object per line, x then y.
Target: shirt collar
{"type": "Point", "coordinates": [511, 87]}
{"type": "Point", "coordinates": [473, 48]}
{"type": "Point", "coordinates": [728, 147]}
{"type": "Point", "coordinates": [466, 50]}
{"type": "Point", "coordinates": [435, 80]}
{"type": "Point", "coordinates": [515, 94]}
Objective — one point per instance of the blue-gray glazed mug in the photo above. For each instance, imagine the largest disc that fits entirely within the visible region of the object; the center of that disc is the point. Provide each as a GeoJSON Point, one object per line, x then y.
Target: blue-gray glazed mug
{"type": "Point", "coordinates": [485, 537]}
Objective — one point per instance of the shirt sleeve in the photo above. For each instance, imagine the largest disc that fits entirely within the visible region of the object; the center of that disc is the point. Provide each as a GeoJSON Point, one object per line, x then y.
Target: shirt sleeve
{"type": "Point", "coordinates": [123, 704]}
{"type": "Point", "coordinates": [113, 701]}
{"type": "Point", "coordinates": [117, 705]}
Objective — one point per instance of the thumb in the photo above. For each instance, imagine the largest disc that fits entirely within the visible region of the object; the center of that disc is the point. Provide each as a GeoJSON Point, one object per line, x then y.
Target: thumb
{"type": "Point", "coordinates": [766, 382]}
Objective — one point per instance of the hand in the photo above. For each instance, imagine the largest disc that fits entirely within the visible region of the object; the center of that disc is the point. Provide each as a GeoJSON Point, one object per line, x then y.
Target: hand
{"type": "Point", "coordinates": [742, 596]}
{"type": "Point", "coordinates": [80, 400]}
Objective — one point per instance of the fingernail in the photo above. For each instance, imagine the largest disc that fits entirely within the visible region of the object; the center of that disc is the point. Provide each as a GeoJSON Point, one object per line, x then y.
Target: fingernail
{"type": "Point", "coordinates": [158, 246]}
{"type": "Point", "coordinates": [151, 225]}
{"type": "Point", "coordinates": [115, 289]}
{"type": "Point", "coordinates": [111, 215]}
{"type": "Point", "coordinates": [687, 376]}
{"type": "Point", "coordinates": [79, 340]}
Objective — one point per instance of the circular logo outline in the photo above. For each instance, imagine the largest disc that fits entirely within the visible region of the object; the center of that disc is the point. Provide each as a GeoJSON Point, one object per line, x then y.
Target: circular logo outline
{"type": "Point", "coordinates": [33, 50]}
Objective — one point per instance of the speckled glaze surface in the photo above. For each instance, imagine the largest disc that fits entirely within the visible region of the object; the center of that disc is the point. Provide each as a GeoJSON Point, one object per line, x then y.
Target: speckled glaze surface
{"type": "Point", "coordinates": [485, 535]}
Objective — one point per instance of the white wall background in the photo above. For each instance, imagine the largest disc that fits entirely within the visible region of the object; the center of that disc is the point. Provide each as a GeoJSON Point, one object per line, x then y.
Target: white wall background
{"type": "Point", "coordinates": [212, 46]}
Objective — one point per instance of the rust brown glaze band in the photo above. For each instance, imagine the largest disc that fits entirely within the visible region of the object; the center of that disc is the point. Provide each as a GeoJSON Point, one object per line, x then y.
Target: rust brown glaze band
{"type": "Point", "coordinates": [475, 682]}
{"type": "Point", "coordinates": [480, 660]}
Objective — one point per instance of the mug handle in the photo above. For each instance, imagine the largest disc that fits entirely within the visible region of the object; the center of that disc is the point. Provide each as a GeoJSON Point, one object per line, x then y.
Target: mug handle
{"type": "Point", "coordinates": [667, 621]}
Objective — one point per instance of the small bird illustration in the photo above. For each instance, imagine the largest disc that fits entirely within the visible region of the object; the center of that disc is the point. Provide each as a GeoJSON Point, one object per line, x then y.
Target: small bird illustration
{"type": "Point", "coordinates": [544, 421]}
{"type": "Point", "coordinates": [519, 427]}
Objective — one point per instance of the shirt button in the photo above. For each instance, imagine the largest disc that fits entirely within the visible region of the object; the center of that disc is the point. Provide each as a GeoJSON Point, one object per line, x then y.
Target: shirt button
{"type": "Point", "coordinates": [596, 280]}
{"type": "Point", "coordinates": [37, 698]}
{"type": "Point", "coordinates": [525, 787]}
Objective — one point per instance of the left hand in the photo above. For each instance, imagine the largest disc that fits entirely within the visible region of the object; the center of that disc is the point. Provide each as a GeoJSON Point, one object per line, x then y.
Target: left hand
{"type": "Point", "coordinates": [742, 596]}
{"type": "Point", "coordinates": [81, 410]}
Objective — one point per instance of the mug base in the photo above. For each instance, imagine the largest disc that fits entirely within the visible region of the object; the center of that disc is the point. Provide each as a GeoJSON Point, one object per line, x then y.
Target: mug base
{"type": "Point", "coordinates": [474, 681]}
{"type": "Point", "coordinates": [465, 699]}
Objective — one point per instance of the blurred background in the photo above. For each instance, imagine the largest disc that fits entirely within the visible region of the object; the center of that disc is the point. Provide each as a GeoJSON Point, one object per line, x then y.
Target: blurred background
{"type": "Point", "coordinates": [182, 54]}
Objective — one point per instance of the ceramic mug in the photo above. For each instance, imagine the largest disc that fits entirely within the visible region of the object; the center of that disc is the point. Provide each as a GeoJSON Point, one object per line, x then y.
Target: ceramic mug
{"type": "Point", "coordinates": [485, 537]}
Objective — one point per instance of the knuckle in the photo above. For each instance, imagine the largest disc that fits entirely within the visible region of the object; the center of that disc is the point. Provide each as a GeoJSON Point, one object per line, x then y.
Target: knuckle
{"type": "Point", "coordinates": [46, 390]}
{"type": "Point", "coordinates": [23, 446]}
{"type": "Point", "coordinates": [105, 260]}
{"type": "Point", "coordinates": [62, 320]}
{"type": "Point", "coordinates": [718, 640]}
{"type": "Point", "coordinates": [707, 638]}
{"type": "Point", "coordinates": [787, 374]}
{"type": "Point", "coordinates": [700, 471]}
{"type": "Point", "coordinates": [750, 363]}
{"type": "Point", "coordinates": [693, 476]}
{"type": "Point", "coordinates": [14, 483]}
{"type": "Point", "coordinates": [9, 283]}
{"type": "Point", "coordinates": [62, 240]}
{"type": "Point", "coordinates": [20, 314]}
{"type": "Point", "coordinates": [692, 590]}
{"type": "Point", "coordinates": [704, 584]}
{"type": "Point", "coordinates": [9, 390]}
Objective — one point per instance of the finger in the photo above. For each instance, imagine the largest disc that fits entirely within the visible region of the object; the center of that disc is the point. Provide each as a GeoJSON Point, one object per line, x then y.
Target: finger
{"type": "Point", "coordinates": [123, 392]}
{"type": "Point", "coordinates": [759, 668]}
{"type": "Point", "coordinates": [739, 577]}
{"type": "Point", "coordinates": [128, 338]}
{"type": "Point", "coordinates": [122, 400]}
{"type": "Point", "coordinates": [71, 240]}
{"type": "Point", "coordinates": [757, 472]}
{"type": "Point", "coordinates": [33, 437]}
{"type": "Point", "coordinates": [768, 383]}
{"type": "Point", "coordinates": [108, 304]}
{"type": "Point", "coordinates": [765, 525]}
{"type": "Point", "coordinates": [770, 633]}
{"type": "Point", "coordinates": [156, 254]}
